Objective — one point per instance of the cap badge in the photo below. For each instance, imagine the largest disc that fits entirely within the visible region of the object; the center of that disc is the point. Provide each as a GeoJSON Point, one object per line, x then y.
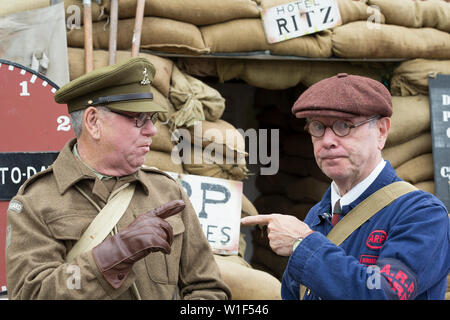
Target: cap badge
{"type": "Point", "coordinates": [146, 80]}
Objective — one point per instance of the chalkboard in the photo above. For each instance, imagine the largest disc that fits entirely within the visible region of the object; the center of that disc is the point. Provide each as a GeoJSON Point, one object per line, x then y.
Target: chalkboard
{"type": "Point", "coordinates": [439, 92]}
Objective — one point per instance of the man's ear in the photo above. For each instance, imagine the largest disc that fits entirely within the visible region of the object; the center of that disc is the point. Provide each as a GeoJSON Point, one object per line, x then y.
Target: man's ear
{"type": "Point", "coordinates": [384, 124]}
{"type": "Point", "coordinates": [91, 123]}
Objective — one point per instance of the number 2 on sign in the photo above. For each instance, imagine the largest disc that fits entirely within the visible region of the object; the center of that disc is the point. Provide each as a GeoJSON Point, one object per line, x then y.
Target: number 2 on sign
{"type": "Point", "coordinates": [24, 86]}
{"type": "Point", "coordinates": [64, 123]}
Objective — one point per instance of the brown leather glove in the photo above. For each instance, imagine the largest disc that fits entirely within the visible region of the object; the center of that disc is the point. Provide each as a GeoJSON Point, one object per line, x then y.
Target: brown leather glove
{"type": "Point", "coordinates": [148, 233]}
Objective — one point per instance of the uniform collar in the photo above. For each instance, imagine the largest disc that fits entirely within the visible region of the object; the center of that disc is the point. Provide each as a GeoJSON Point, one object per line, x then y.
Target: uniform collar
{"type": "Point", "coordinates": [385, 177]}
{"type": "Point", "coordinates": [355, 192]}
{"type": "Point", "coordinates": [69, 170]}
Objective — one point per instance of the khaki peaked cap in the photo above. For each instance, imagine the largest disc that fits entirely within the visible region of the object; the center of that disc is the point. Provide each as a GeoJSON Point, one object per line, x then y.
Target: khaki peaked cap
{"type": "Point", "coordinates": [344, 96]}
{"type": "Point", "coordinates": [123, 86]}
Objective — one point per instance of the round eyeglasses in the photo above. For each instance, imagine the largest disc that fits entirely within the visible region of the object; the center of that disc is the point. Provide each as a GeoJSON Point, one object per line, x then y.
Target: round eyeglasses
{"type": "Point", "coordinates": [140, 118]}
{"type": "Point", "coordinates": [341, 128]}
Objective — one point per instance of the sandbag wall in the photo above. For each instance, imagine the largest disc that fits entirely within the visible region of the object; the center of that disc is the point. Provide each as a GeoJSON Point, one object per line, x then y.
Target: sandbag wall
{"type": "Point", "coordinates": [298, 184]}
{"type": "Point", "coordinates": [369, 29]}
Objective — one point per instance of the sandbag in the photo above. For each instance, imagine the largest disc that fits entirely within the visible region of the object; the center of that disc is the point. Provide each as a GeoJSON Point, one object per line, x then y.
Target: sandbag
{"type": "Point", "coordinates": [9, 7]}
{"type": "Point", "coordinates": [399, 154]}
{"type": "Point", "coordinates": [410, 117]}
{"type": "Point", "coordinates": [194, 100]}
{"type": "Point", "coordinates": [198, 12]}
{"type": "Point", "coordinates": [162, 161]}
{"type": "Point", "coordinates": [416, 14]}
{"type": "Point", "coordinates": [427, 186]}
{"type": "Point", "coordinates": [243, 35]}
{"type": "Point", "coordinates": [204, 164]}
{"type": "Point", "coordinates": [362, 40]}
{"type": "Point", "coordinates": [246, 283]}
{"type": "Point", "coordinates": [273, 203]}
{"type": "Point", "coordinates": [279, 75]}
{"type": "Point", "coordinates": [162, 140]}
{"type": "Point", "coordinates": [299, 145]}
{"type": "Point", "coordinates": [265, 256]}
{"type": "Point", "coordinates": [308, 188]}
{"type": "Point", "coordinates": [198, 67]}
{"type": "Point", "coordinates": [410, 78]}
{"type": "Point", "coordinates": [298, 166]}
{"type": "Point", "coordinates": [158, 34]}
{"type": "Point", "coordinates": [162, 65]}
{"type": "Point", "coordinates": [220, 136]}
{"type": "Point", "coordinates": [301, 209]}
{"type": "Point", "coordinates": [274, 184]}
{"type": "Point", "coordinates": [248, 209]}
{"type": "Point", "coordinates": [417, 169]}
{"type": "Point", "coordinates": [349, 10]}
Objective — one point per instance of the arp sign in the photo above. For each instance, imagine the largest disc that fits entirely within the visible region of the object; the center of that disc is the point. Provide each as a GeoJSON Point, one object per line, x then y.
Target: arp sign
{"type": "Point", "coordinates": [218, 204]}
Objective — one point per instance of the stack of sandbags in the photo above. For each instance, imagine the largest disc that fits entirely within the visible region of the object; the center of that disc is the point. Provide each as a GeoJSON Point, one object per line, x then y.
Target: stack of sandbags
{"type": "Point", "coordinates": [235, 26]}
{"type": "Point", "coordinates": [412, 29]}
{"type": "Point", "coordinates": [217, 149]}
{"type": "Point", "coordinates": [410, 78]}
{"type": "Point", "coordinates": [169, 26]}
{"type": "Point", "coordinates": [278, 75]}
{"type": "Point", "coordinates": [408, 146]}
{"type": "Point", "coordinates": [163, 67]}
{"type": "Point", "coordinates": [299, 183]}
{"type": "Point", "coordinates": [193, 101]}
{"type": "Point", "coordinates": [222, 37]}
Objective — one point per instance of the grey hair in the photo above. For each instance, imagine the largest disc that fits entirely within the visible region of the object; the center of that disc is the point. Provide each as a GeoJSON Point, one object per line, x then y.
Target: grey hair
{"type": "Point", "coordinates": [77, 119]}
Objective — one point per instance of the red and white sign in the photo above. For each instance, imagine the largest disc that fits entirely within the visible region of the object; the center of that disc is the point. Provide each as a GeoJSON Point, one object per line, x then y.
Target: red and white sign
{"type": "Point", "coordinates": [30, 121]}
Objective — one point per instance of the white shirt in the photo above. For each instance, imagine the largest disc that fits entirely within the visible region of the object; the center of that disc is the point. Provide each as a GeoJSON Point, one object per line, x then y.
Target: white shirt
{"type": "Point", "coordinates": [357, 190]}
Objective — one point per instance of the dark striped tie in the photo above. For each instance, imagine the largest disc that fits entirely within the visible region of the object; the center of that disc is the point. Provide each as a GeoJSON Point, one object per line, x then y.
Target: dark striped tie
{"type": "Point", "coordinates": [337, 213]}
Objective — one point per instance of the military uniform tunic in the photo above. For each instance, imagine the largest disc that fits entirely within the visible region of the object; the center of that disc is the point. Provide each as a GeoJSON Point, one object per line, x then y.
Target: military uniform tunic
{"type": "Point", "coordinates": [49, 214]}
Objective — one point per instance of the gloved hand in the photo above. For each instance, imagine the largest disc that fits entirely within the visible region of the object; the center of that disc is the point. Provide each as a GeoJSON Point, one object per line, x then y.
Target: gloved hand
{"type": "Point", "coordinates": [148, 233]}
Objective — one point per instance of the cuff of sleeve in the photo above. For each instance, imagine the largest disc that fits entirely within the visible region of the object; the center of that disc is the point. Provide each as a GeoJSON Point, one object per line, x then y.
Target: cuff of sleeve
{"type": "Point", "coordinates": [107, 287]}
{"type": "Point", "coordinates": [301, 255]}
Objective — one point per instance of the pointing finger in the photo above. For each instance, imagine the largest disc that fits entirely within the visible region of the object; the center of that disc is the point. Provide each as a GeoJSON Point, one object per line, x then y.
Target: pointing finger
{"type": "Point", "coordinates": [259, 219]}
{"type": "Point", "coordinates": [168, 209]}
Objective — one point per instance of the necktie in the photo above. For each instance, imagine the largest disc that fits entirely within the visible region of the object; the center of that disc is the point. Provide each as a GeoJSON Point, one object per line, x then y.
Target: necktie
{"type": "Point", "coordinates": [336, 213]}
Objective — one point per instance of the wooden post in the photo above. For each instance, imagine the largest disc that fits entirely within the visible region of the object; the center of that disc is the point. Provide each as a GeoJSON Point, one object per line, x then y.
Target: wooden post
{"type": "Point", "coordinates": [113, 31]}
{"type": "Point", "coordinates": [136, 42]}
{"type": "Point", "coordinates": [88, 47]}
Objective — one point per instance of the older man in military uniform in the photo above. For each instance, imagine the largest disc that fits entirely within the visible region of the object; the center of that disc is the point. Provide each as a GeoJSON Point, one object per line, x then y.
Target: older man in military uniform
{"type": "Point", "coordinates": [155, 251]}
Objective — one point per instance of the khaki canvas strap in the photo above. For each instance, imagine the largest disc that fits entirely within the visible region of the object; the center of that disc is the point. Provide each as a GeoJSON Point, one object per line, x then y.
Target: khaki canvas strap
{"type": "Point", "coordinates": [363, 212]}
{"type": "Point", "coordinates": [104, 222]}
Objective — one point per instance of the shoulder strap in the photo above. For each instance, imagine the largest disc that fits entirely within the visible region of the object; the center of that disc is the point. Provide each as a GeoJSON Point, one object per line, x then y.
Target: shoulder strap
{"type": "Point", "coordinates": [364, 211]}
{"type": "Point", "coordinates": [103, 223]}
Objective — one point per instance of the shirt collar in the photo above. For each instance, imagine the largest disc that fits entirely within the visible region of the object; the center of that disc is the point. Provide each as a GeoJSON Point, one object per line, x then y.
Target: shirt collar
{"type": "Point", "coordinates": [357, 190]}
{"type": "Point", "coordinates": [68, 170]}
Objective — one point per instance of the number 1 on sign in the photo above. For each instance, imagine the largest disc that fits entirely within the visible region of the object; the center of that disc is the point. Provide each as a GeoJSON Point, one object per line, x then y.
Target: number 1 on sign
{"type": "Point", "coordinates": [24, 85]}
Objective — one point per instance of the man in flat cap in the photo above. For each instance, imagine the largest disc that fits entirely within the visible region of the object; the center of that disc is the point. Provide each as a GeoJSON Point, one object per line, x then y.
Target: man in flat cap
{"type": "Point", "coordinates": [99, 225]}
{"type": "Point", "coordinates": [372, 236]}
